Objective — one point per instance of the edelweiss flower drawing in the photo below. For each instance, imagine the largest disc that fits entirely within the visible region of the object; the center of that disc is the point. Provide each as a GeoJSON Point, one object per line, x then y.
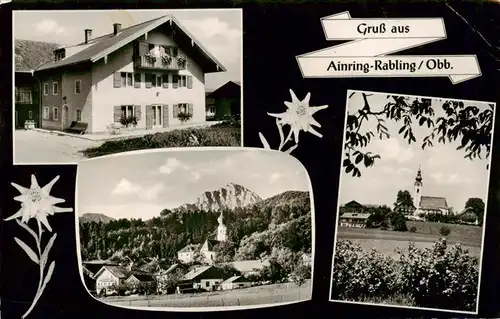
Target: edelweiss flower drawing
{"type": "Point", "coordinates": [299, 116]}
{"type": "Point", "coordinates": [37, 203]}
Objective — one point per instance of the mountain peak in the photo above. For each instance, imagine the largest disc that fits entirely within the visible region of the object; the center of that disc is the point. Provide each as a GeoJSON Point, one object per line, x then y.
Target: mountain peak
{"type": "Point", "coordinates": [229, 196]}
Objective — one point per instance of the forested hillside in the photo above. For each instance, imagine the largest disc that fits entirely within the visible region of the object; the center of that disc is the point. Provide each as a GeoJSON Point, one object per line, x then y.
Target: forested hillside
{"type": "Point", "coordinates": [282, 222]}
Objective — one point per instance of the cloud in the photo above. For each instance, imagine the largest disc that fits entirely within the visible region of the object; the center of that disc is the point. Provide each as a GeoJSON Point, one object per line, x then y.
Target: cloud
{"type": "Point", "coordinates": [48, 26]}
{"type": "Point", "coordinates": [125, 187]}
{"type": "Point", "coordinates": [212, 27]}
{"type": "Point", "coordinates": [171, 165]}
{"type": "Point", "coordinates": [275, 177]}
{"type": "Point", "coordinates": [450, 179]}
{"type": "Point", "coordinates": [391, 149]}
{"type": "Point", "coordinates": [218, 37]}
{"type": "Point", "coordinates": [196, 176]}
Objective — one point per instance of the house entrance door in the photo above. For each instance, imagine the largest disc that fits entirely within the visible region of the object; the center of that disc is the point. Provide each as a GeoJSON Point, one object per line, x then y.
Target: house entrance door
{"type": "Point", "coordinates": [65, 116]}
{"type": "Point", "coordinates": [157, 116]}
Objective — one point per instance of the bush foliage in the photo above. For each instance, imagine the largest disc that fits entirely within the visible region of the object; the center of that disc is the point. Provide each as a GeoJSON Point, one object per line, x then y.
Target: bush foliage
{"type": "Point", "coordinates": [220, 135]}
{"type": "Point", "coordinates": [434, 277]}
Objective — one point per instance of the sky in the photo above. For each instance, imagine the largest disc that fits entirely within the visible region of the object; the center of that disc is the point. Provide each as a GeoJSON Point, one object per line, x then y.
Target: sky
{"type": "Point", "coordinates": [220, 31]}
{"type": "Point", "coordinates": [141, 185]}
{"type": "Point", "coordinates": [445, 172]}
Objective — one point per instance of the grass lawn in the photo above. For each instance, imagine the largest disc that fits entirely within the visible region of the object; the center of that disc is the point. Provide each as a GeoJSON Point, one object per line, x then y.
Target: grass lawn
{"type": "Point", "coordinates": [259, 295]}
{"type": "Point", "coordinates": [223, 134]}
{"type": "Point", "coordinates": [386, 241]}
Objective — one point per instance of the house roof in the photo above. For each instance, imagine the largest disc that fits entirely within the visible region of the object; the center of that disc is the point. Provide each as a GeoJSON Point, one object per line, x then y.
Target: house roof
{"type": "Point", "coordinates": [87, 272]}
{"type": "Point", "coordinates": [142, 277]}
{"type": "Point", "coordinates": [196, 272]}
{"type": "Point", "coordinates": [228, 89]}
{"type": "Point", "coordinates": [234, 279]}
{"type": "Point", "coordinates": [355, 215]}
{"type": "Point", "coordinates": [430, 202]}
{"type": "Point", "coordinates": [210, 243]}
{"type": "Point", "coordinates": [353, 203]}
{"type": "Point", "coordinates": [190, 248]}
{"type": "Point", "coordinates": [117, 271]}
{"type": "Point", "coordinates": [244, 266]}
{"type": "Point", "coordinates": [100, 47]}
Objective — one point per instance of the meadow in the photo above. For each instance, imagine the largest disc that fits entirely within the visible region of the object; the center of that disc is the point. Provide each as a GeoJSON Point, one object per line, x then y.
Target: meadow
{"type": "Point", "coordinates": [258, 295]}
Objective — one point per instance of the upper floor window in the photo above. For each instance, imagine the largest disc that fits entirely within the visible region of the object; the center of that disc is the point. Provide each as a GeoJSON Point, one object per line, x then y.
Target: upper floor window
{"type": "Point", "coordinates": [60, 55]}
{"type": "Point", "coordinates": [182, 79]}
{"type": "Point", "coordinates": [55, 88]}
{"type": "Point", "coordinates": [78, 86]}
{"type": "Point", "coordinates": [45, 89]}
{"type": "Point", "coordinates": [127, 79]}
{"type": "Point", "coordinates": [23, 95]}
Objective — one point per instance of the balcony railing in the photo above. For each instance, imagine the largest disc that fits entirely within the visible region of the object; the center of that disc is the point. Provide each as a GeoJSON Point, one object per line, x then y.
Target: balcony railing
{"type": "Point", "coordinates": [145, 62]}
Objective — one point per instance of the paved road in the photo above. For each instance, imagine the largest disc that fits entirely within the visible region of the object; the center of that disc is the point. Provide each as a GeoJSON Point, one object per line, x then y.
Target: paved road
{"type": "Point", "coordinates": [42, 148]}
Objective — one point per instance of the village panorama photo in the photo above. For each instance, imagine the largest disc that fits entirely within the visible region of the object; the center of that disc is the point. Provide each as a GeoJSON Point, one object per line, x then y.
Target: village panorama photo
{"type": "Point", "coordinates": [412, 201]}
{"type": "Point", "coordinates": [90, 83]}
{"type": "Point", "coordinates": [195, 229]}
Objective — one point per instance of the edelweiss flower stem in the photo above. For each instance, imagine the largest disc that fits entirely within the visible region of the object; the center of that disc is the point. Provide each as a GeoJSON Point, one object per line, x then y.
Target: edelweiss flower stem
{"type": "Point", "coordinates": [37, 203]}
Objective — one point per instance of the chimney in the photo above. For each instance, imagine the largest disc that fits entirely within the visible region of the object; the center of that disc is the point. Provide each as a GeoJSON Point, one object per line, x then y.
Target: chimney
{"type": "Point", "coordinates": [88, 35]}
{"type": "Point", "coordinates": [116, 28]}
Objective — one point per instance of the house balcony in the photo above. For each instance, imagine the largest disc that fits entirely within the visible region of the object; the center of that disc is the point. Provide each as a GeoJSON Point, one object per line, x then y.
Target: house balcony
{"type": "Point", "coordinates": [145, 62]}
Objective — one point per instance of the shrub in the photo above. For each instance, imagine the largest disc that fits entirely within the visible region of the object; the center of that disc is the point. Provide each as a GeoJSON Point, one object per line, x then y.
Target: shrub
{"type": "Point", "coordinates": [435, 277]}
{"type": "Point", "coordinates": [444, 231]}
{"type": "Point", "coordinates": [413, 229]}
{"type": "Point", "coordinates": [209, 136]}
{"type": "Point", "coordinates": [398, 222]}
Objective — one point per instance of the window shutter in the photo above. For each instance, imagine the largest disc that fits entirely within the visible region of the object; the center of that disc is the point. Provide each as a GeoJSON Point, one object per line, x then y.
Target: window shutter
{"type": "Point", "coordinates": [190, 82]}
{"type": "Point", "coordinates": [165, 115]}
{"type": "Point", "coordinates": [117, 114]}
{"type": "Point", "coordinates": [165, 81]}
{"type": "Point", "coordinates": [175, 81]}
{"type": "Point", "coordinates": [137, 80]}
{"type": "Point", "coordinates": [190, 108]}
{"type": "Point", "coordinates": [175, 110]}
{"type": "Point", "coordinates": [137, 112]}
{"type": "Point", "coordinates": [148, 81]}
{"type": "Point", "coordinates": [117, 80]}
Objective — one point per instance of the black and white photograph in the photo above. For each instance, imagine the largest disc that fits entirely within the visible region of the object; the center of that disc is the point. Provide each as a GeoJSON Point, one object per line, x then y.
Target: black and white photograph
{"type": "Point", "coordinates": [195, 228]}
{"type": "Point", "coordinates": [90, 83]}
{"type": "Point", "coordinates": [412, 201]}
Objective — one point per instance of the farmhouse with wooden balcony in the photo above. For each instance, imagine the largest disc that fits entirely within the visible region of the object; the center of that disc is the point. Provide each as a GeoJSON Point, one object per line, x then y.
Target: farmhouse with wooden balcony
{"type": "Point", "coordinates": [146, 76]}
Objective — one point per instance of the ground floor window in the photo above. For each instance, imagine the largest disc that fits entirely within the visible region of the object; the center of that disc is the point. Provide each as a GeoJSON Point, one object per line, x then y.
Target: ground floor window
{"type": "Point", "coordinates": [30, 114]}
{"type": "Point", "coordinates": [184, 108]}
{"type": "Point", "coordinates": [127, 111]}
{"type": "Point", "coordinates": [207, 284]}
{"type": "Point", "coordinates": [46, 113]}
{"type": "Point", "coordinates": [78, 115]}
{"type": "Point", "coordinates": [55, 113]}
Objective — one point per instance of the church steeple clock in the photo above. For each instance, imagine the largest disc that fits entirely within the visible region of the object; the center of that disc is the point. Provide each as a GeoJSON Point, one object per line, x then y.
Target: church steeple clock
{"type": "Point", "coordinates": [418, 189]}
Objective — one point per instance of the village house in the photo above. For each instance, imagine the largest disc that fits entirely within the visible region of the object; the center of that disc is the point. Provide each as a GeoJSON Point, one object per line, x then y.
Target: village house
{"type": "Point", "coordinates": [235, 282]}
{"type": "Point", "coordinates": [147, 76]}
{"type": "Point", "coordinates": [352, 207]}
{"type": "Point", "coordinates": [355, 220]}
{"type": "Point", "coordinates": [111, 276]}
{"type": "Point", "coordinates": [224, 102]}
{"type": "Point", "coordinates": [249, 267]}
{"type": "Point", "coordinates": [188, 253]}
{"type": "Point", "coordinates": [202, 277]}
{"type": "Point", "coordinates": [26, 96]}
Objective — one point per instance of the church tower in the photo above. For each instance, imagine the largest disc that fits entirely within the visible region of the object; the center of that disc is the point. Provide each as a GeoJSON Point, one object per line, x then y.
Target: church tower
{"type": "Point", "coordinates": [221, 230]}
{"type": "Point", "coordinates": [418, 189]}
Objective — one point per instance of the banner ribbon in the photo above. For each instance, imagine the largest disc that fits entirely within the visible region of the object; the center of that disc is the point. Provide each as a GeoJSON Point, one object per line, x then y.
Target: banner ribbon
{"type": "Point", "coordinates": [373, 39]}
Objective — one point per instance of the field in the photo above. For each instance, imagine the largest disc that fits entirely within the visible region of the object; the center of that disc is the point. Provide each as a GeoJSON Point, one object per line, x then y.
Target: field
{"type": "Point", "coordinates": [427, 233]}
{"type": "Point", "coordinates": [259, 295]}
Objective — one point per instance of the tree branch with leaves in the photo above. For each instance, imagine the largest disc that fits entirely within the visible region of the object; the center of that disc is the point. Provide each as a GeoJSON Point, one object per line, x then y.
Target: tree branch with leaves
{"type": "Point", "coordinates": [468, 124]}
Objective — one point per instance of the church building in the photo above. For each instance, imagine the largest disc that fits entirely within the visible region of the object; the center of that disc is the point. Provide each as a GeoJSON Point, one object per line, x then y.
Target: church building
{"type": "Point", "coordinates": [427, 204]}
{"type": "Point", "coordinates": [207, 249]}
